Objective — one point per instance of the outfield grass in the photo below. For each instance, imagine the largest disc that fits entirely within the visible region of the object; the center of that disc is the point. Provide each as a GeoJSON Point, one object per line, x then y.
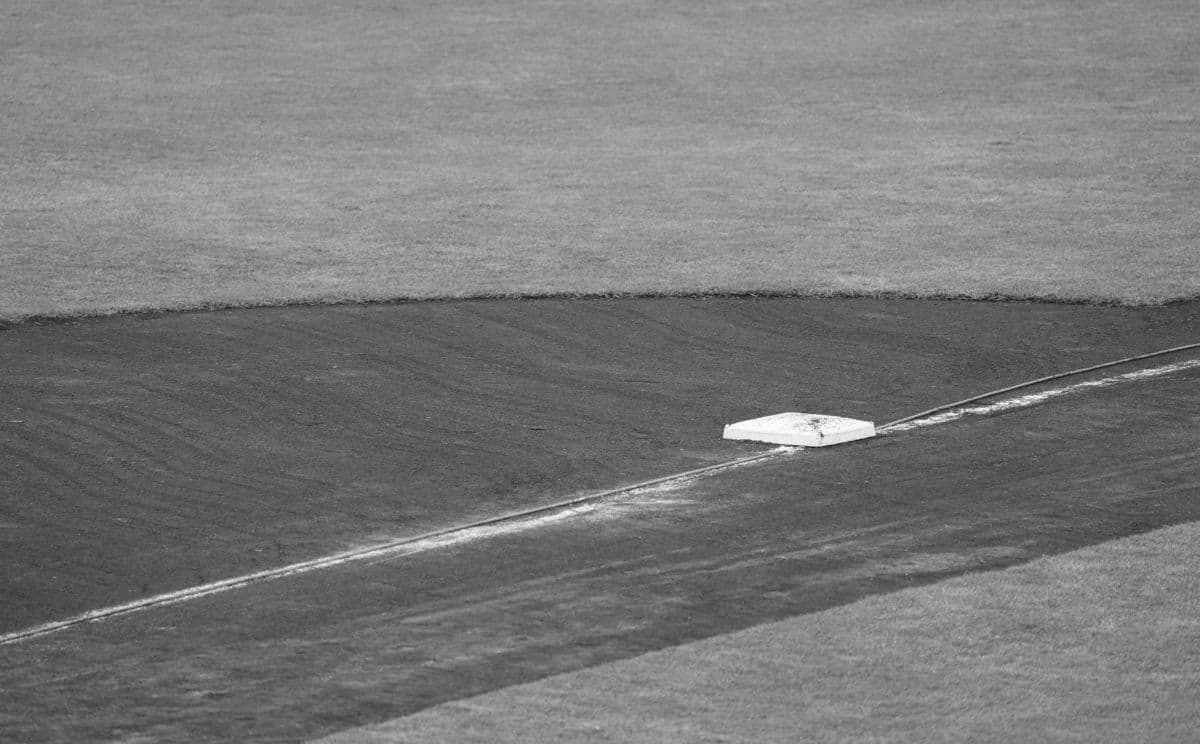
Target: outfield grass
{"type": "Point", "coordinates": [175, 154]}
{"type": "Point", "coordinates": [1098, 645]}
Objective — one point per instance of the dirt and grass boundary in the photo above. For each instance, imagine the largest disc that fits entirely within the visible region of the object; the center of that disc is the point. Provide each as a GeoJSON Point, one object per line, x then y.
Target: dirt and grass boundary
{"type": "Point", "coordinates": [1097, 645]}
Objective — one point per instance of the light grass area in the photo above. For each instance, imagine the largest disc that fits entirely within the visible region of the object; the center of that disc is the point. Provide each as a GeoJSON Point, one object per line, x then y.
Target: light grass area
{"type": "Point", "coordinates": [1098, 645]}
{"type": "Point", "coordinates": [179, 154]}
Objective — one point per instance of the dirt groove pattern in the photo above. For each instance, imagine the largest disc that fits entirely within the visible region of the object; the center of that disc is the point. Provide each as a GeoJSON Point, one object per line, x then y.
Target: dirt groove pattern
{"type": "Point", "coordinates": [147, 453]}
{"type": "Point", "coordinates": [819, 529]}
{"type": "Point", "coordinates": [142, 455]}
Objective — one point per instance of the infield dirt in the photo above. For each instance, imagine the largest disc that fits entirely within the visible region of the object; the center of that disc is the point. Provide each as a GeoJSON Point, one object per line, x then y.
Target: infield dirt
{"type": "Point", "coordinates": [145, 454]}
{"type": "Point", "coordinates": [149, 453]}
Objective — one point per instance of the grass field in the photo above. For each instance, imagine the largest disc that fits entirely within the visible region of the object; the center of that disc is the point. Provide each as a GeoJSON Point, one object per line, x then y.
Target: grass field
{"type": "Point", "coordinates": [1099, 645]}
{"type": "Point", "coordinates": [169, 155]}
{"type": "Point", "coordinates": [172, 155]}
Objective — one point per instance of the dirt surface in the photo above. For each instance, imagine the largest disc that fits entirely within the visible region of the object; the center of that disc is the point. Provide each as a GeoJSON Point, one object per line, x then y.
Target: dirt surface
{"type": "Point", "coordinates": [141, 454]}
{"type": "Point", "coordinates": [145, 454]}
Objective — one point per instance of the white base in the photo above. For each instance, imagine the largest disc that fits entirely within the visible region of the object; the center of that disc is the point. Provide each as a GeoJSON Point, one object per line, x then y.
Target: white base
{"type": "Point", "coordinates": [801, 429]}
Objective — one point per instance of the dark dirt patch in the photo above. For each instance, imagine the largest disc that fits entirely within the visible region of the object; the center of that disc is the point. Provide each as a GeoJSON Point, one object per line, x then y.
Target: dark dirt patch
{"type": "Point", "coordinates": [303, 656]}
{"type": "Point", "coordinates": [141, 455]}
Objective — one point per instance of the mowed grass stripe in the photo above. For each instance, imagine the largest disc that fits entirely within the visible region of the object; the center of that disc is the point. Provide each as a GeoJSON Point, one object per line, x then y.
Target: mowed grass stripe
{"type": "Point", "coordinates": [1097, 645]}
{"type": "Point", "coordinates": [171, 156]}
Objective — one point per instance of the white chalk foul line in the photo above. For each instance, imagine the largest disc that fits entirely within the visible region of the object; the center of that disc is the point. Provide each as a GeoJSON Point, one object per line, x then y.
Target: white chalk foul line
{"type": "Point", "coordinates": [387, 550]}
{"type": "Point", "coordinates": [504, 524]}
{"type": "Point", "coordinates": [1024, 401]}
{"type": "Point", "coordinates": [511, 523]}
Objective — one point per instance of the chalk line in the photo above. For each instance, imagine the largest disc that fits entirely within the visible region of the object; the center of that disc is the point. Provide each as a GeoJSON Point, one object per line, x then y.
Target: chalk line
{"type": "Point", "coordinates": [1024, 401]}
{"type": "Point", "coordinates": [530, 519]}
